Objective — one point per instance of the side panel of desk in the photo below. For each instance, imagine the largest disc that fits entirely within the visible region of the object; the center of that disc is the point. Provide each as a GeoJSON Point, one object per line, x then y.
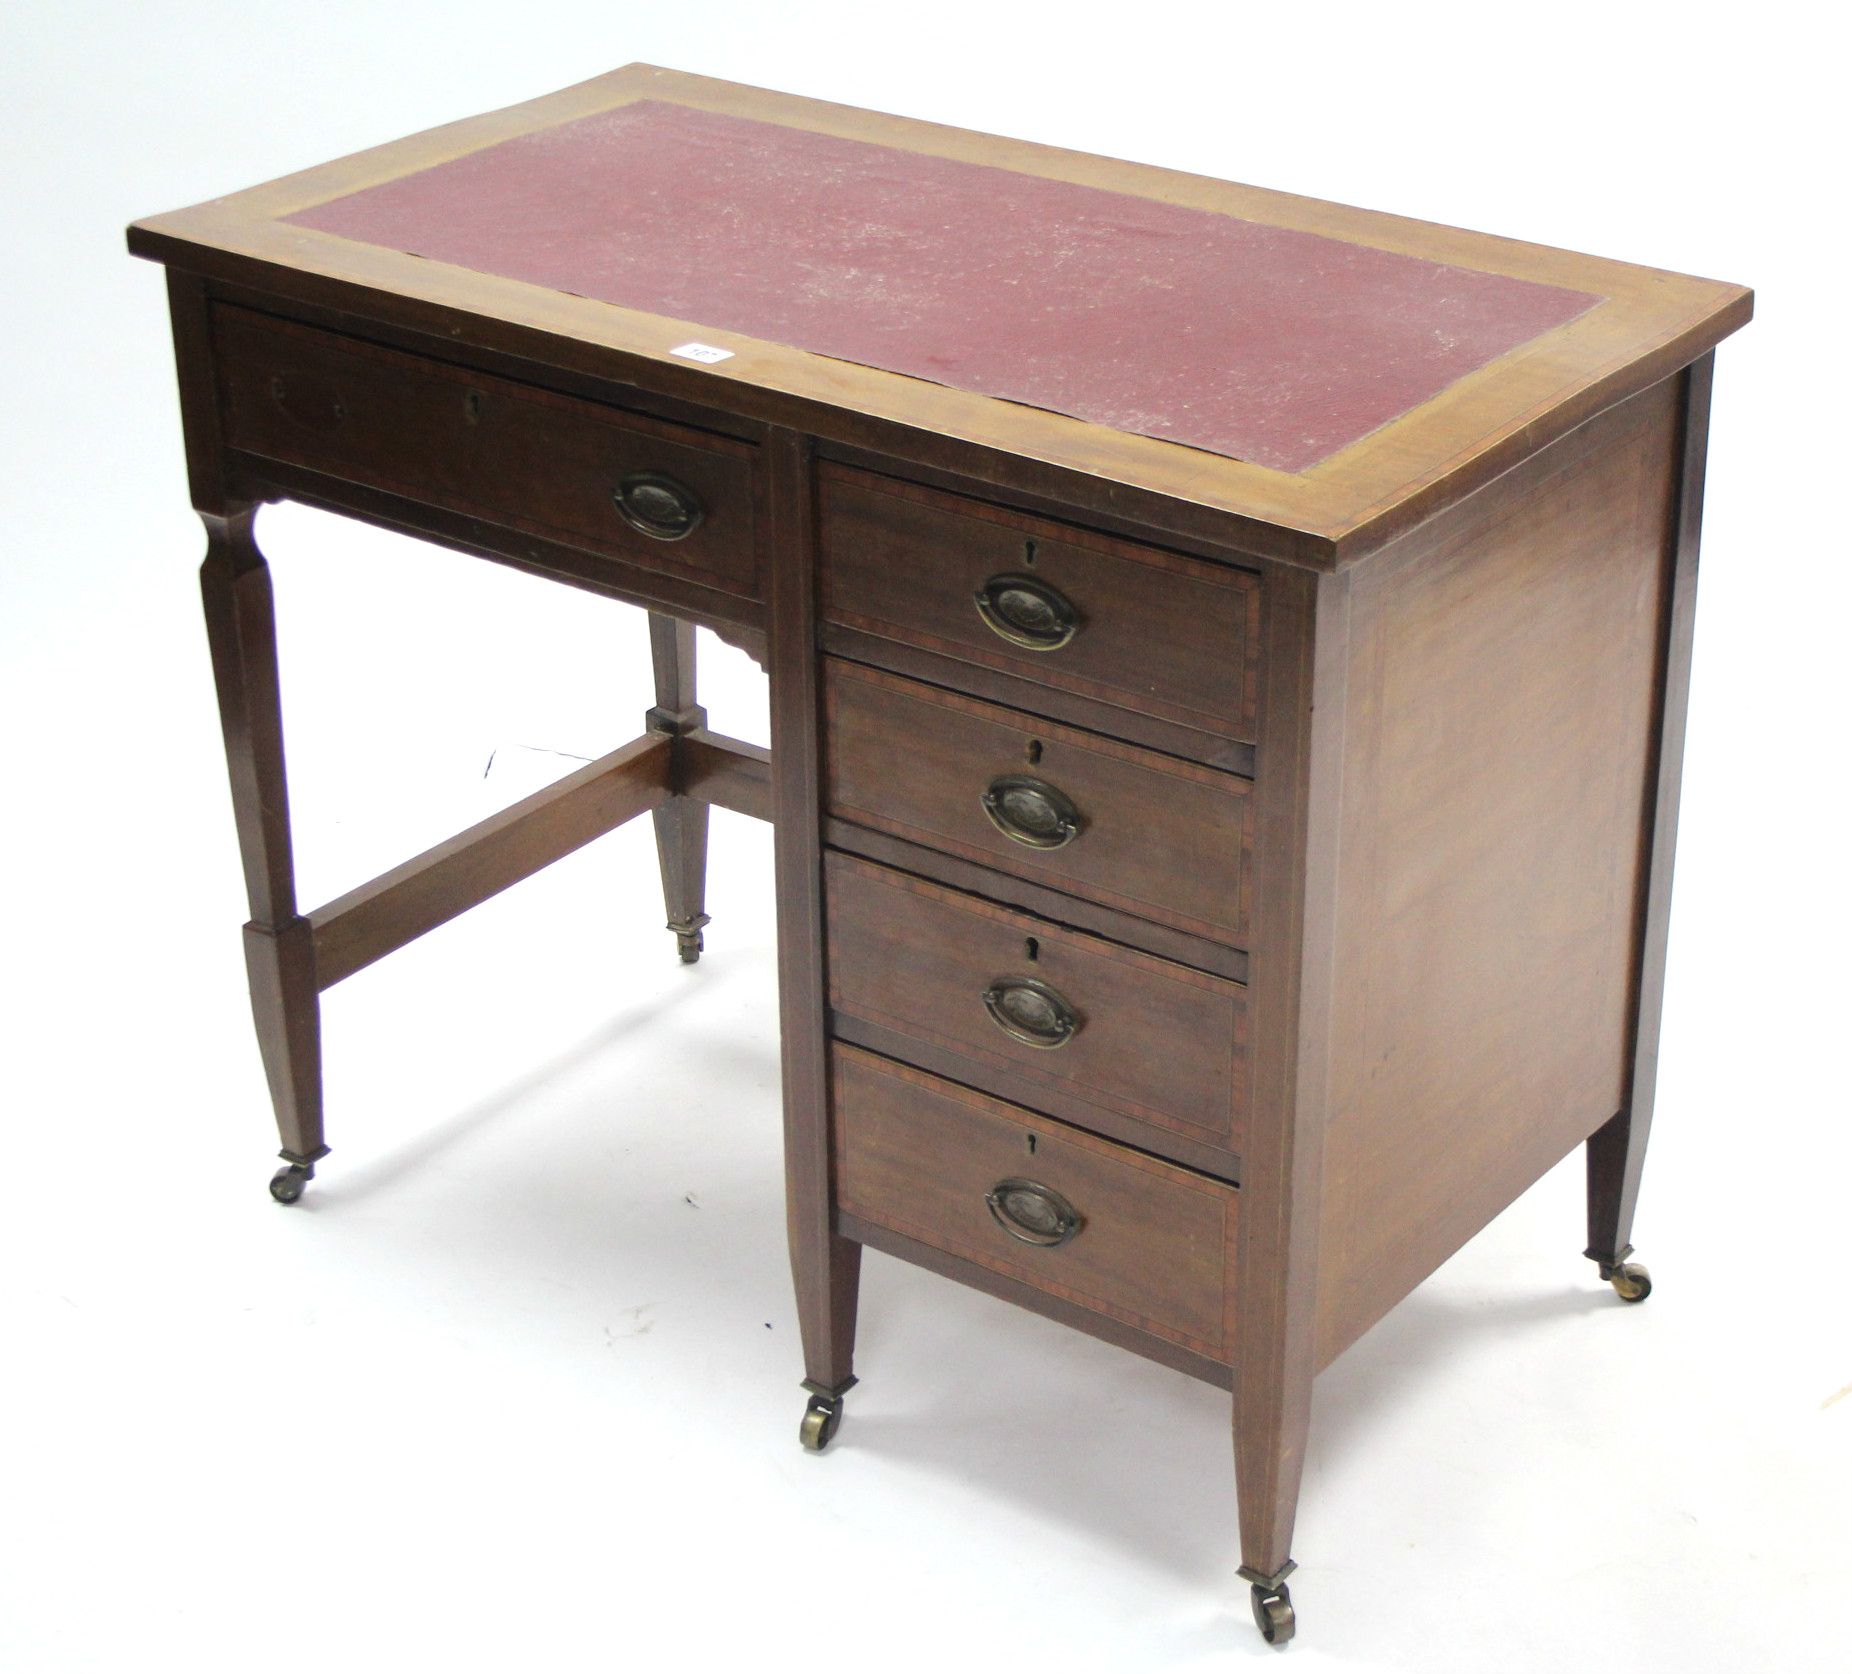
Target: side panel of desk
{"type": "Point", "coordinates": [1498, 734]}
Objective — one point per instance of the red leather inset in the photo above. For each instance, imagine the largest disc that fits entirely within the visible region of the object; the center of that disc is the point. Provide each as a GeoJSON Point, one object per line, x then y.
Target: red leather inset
{"type": "Point", "coordinates": [1251, 341]}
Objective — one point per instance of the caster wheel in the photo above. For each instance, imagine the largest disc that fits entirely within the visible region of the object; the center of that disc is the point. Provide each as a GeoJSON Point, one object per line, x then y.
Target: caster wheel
{"type": "Point", "coordinates": [689, 942]}
{"type": "Point", "coordinates": [1273, 1614]}
{"type": "Point", "coordinates": [287, 1183]}
{"type": "Point", "coordinates": [1631, 1282]}
{"type": "Point", "coordinates": [822, 1419]}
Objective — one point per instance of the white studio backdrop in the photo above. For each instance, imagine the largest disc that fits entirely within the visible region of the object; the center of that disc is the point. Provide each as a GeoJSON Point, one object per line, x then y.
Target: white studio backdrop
{"type": "Point", "coordinates": [516, 1385]}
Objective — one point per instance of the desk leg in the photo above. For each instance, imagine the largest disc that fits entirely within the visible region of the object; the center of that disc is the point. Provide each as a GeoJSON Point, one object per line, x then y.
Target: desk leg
{"type": "Point", "coordinates": [681, 824]}
{"type": "Point", "coordinates": [1294, 979]}
{"type": "Point", "coordinates": [279, 946]}
{"type": "Point", "coordinates": [825, 1266]}
{"type": "Point", "coordinates": [1617, 1149]}
{"type": "Point", "coordinates": [1616, 1153]}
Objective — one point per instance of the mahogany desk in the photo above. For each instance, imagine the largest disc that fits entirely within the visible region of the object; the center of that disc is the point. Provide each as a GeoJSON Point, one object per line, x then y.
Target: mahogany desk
{"type": "Point", "coordinates": [1228, 659]}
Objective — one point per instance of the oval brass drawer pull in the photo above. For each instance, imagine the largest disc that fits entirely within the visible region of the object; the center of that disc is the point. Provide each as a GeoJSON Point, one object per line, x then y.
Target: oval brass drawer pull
{"type": "Point", "coordinates": [1028, 612]}
{"type": "Point", "coordinates": [1033, 1213]}
{"type": "Point", "coordinates": [658, 506]}
{"type": "Point", "coordinates": [1031, 811]}
{"type": "Point", "coordinates": [1029, 1010]}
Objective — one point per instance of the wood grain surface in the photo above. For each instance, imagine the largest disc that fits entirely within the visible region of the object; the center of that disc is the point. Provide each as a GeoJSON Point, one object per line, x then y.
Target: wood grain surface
{"type": "Point", "coordinates": [1053, 905]}
{"type": "Point", "coordinates": [1498, 739]}
{"type": "Point", "coordinates": [1159, 1044]}
{"type": "Point", "coordinates": [1647, 325]}
{"type": "Point", "coordinates": [919, 1154]}
{"type": "Point", "coordinates": [397, 907]}
{"type": "Point", "coordinates": [1617, 1152]}
{"type": "Point", "coordinates": [1376, 761]}
{"type": "Point", "coordinates": [1159, 634]}
{"type": "Point", "coordinates": [484, 446]}
{"type": "Point", "coordinates": [1160, 838]}
{"type": "Point", "coordinates": [1276, 1277]}
{"type": "Point", "coordinates": [825, 1267]}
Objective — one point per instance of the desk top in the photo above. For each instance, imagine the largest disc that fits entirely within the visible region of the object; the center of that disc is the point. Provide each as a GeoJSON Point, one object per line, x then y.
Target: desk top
{"type": "Point", "coordinates": [1256, 342]}
{"type": "Point", "coordinates": [1327, 370]}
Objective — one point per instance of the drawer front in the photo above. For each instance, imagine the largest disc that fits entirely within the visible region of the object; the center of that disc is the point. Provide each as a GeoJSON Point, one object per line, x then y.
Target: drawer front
{"type": "Point", "coordinates": [1084, 1021]}
{"type": "Point", "coordinates": [1154, 1245]}
{"type": "Point", "coordinates": [524, 458]}
{"type": "Point", "coordinates": [1151, 835]}
{"type": "Point", "coordinates": [1143, 629]}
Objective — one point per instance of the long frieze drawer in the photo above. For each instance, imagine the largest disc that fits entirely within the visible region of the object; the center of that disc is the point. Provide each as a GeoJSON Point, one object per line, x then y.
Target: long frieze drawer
{"type": "Point", "coordinates": [663, 496]}
{"type": "Point", "coordinates": [1080, 1021]}
{"type": "Point", "coordinates": [1147, 833]}
{"type": "Point", "coordinates": [1105, 618]}
{"type": "Point", "coordinates": [1108, 1228]}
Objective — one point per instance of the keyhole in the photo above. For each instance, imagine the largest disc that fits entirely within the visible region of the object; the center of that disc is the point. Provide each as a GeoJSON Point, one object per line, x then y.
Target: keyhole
{"type": "Point", "coordinates": [1029, 1140]}
{"type": "Point", "coordinates": [1032, 949]}
{"type": "Point", "coordinates": [1028, 553]}
{"type": "Point", "coordinates": [472, 405]}
{"type": "Point", "coordinates": [1034, 751]}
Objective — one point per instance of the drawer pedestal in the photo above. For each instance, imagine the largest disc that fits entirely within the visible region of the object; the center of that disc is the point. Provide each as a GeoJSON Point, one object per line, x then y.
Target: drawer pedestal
{"type": "Point", "coordinates": [1228, 660]}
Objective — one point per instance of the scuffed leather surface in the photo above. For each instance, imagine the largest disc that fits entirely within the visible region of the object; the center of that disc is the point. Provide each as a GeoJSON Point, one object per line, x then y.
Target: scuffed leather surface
{"type": "Point", "coordinates": [1255, 342]}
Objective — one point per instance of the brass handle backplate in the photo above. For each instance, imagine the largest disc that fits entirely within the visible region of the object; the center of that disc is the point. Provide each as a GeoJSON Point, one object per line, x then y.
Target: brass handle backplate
{"type": "Point", "coordinates": [1029, 1010]}
{"type": "Point", "coordinates": [1031, 811]}
{"type": "Point", "coordinates": [1033, 1213]}
{"type": "Point", "coordinates": [1027, 611]}
{"type": "Point", "coordinates": [658, 506]}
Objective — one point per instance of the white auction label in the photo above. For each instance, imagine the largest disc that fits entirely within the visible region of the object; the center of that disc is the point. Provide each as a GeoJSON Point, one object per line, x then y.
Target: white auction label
{"type": "Point", "coordinates": [706, 353]}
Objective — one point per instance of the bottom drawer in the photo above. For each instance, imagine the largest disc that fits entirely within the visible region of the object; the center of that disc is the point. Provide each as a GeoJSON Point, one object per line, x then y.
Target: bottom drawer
{"type": "Point", "coordinates": [1097, 1224]}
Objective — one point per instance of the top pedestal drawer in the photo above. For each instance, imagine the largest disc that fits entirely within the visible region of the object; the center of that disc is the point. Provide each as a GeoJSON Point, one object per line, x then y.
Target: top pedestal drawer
{"type": "Point", "coordinates": [524, 458]}
{"type": "Point", "coordinates": [1110, 620]}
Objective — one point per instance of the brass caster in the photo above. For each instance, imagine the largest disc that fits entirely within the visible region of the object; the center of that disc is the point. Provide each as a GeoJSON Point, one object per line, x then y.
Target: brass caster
{"type": "Point", "coordinates": [1631, 1281]}
{"type": "Point", "coordinates": [822, 1419]}
{"type": "Point", "coordinates": [287, 1183]}
{"type": "Point", "coordinates": [1273, 1613]}
{"type": "Point", "coordinates": [688, 939]}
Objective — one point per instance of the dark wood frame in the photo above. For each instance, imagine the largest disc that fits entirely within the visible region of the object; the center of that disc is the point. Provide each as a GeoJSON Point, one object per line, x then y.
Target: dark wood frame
{"type": "Point", "coordinates": [678, 768]}
{"type": "Point", "coordinates": [1306, 538]}
{"type": "Point", "coordinates": [1650, 325]}
{"type": "Point", "coordinates": [675, 770]}
{"type": "Point", "coordinates": [1617, 1150]}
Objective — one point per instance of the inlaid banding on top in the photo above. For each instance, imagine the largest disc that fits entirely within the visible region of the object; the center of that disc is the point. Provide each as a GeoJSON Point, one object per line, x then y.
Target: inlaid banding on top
{"type": "Point", "coordinates": [1262, 343]}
